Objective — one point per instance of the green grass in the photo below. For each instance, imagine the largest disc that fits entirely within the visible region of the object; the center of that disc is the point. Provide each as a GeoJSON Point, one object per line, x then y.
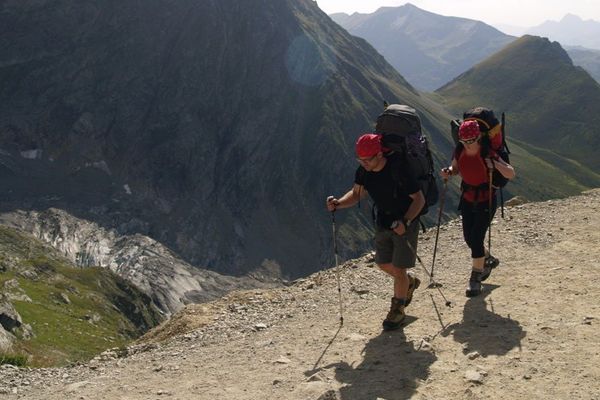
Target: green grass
{"type": "Point", "coordinates": [66, 331]}
{"type": "Point", "coordinates": [18, 360]}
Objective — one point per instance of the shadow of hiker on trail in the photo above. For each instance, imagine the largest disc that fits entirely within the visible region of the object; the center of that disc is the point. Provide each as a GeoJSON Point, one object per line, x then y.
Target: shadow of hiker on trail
{"type": "Point", "coordinates": [390, 369]}
{"type": "Point", "coordinates": [483, 330]}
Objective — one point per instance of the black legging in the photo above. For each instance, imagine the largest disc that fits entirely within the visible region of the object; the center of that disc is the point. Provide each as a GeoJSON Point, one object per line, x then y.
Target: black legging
{"type": "Point", "coordinates": [475, 223]}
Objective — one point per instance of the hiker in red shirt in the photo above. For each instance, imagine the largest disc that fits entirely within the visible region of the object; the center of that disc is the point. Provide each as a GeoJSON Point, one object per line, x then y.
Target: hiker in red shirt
{"type": "Point", "coordinates": [477, 203]}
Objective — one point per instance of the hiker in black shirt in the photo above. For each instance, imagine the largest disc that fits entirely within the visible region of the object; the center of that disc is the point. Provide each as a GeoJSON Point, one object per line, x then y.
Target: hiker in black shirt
{"type": "Point", "coordinates": [398, 203]}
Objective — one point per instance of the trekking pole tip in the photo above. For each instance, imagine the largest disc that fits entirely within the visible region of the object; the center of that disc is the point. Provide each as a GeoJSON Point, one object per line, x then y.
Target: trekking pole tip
{"type": "Point", "coordinates": [448, 303]}
{"type": "Point", "coordinates": [434, 285]}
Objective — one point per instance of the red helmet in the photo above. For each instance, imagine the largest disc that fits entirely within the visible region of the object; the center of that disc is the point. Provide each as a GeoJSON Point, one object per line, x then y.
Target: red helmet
{"type": "Point", "coordinates": [469, 130]}
{"type": "Point", "coordinates": [368, 145]}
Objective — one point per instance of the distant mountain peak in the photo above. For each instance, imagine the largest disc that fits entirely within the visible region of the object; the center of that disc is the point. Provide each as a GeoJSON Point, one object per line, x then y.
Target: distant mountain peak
{"type": "Point", "coordinates": [571, 18]}
{"type": "Point", "coordinates": [541, 43]}
{"type": "Point", "coordinates": [571, 30]}
{"type": "Point", "coordinates": [411, 5]}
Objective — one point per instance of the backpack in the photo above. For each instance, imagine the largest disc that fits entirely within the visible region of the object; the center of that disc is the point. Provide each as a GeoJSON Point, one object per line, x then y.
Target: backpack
{"type": "Point", "coordinates": [400, 128]}
{"type": "Point", "coordinates": [493, 138]}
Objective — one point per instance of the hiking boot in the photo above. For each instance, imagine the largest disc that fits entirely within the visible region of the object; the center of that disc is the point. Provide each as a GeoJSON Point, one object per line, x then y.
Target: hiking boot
{"type": "Point", "coordinates": [491, 261]}
{"type": "Point", "coordinates": [413, 284]}
{"type": "Point", "coordinates": [474, 288]}
{"type": "Point", "coordinates": [395, 316]}
{"type": "Point", "coordinates": [485, 273]}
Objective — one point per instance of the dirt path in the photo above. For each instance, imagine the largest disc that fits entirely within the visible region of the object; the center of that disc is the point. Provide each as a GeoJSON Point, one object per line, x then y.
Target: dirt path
{"type": "Point", "coordinates": [532, 334]}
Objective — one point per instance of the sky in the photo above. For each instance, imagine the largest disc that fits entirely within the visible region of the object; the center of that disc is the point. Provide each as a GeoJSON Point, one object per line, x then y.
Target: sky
{"type": "Point", "coordinates": [523, 13]}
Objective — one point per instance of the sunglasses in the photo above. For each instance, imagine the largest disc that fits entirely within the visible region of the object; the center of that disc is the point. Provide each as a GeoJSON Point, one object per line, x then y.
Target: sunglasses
{"type": "Point", "coordinates": [366, 160]}
{"type": "Point", "coordinates": [469, 141]}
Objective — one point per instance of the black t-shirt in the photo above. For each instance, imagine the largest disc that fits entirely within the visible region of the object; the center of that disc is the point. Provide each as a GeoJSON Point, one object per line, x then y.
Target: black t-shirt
{"type": "Point", "coordinates": [391, 196]}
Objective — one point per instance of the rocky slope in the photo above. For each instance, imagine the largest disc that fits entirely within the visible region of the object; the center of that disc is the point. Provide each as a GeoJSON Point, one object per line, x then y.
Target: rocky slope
{"type": "Point", "coordinates": [53, 312]}
{"type": "Point", "coordinates": [169, 281]}
{"type": "Point", "coordinates": [532, 333]}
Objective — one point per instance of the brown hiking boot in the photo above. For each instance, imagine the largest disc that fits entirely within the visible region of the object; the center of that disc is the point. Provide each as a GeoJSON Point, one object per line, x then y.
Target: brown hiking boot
{"type": "Point", "coordinates": [413, 283]}
{"type": "Point", "coordinates": [395, 316]}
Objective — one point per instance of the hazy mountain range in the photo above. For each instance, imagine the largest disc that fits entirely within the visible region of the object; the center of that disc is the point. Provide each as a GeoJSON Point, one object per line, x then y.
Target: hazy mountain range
{"type": "Point", "coordinates": [426, 48]}
{"type": "Point", "coordinates": [429, 49]}
{"type": "Point", "coordinates": [571, 30]}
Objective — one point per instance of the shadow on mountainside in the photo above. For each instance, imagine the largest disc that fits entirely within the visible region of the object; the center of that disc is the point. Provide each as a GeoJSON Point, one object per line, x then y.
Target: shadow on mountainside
{"type": "Point", "coordinates": [483, 330]}
{"type": "Point", "coordinates": [390, 369]}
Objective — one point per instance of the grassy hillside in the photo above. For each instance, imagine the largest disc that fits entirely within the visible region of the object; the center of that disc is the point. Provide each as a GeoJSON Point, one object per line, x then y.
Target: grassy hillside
{"type": "Point", "coordinates": [73, 313]}
{"type": "Point", "coordinates": [588, 59]}
{"type": "Point", "coordinates": [543, 174]}
{"type": "Point", "coordinates": [551, 103]}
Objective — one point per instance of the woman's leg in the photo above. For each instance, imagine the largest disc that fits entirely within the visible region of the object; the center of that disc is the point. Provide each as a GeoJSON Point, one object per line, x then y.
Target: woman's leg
{"type": "Point", "coordinates": [479, 224]}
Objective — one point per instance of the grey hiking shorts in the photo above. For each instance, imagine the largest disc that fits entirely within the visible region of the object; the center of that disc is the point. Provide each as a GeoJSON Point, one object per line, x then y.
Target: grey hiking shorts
{"type": "Point", "coordinates": [392, 248]}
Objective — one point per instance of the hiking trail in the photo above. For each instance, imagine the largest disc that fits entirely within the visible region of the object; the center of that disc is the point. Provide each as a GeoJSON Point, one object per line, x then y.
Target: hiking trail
{"type": "Point", "coordinates": [533, 333]}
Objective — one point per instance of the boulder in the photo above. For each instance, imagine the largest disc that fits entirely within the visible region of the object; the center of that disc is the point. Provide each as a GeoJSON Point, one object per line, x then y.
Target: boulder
{"type": "Point", "coordinates": [6, 340]}
{"type": "Point", "coordinates": [9, 317]}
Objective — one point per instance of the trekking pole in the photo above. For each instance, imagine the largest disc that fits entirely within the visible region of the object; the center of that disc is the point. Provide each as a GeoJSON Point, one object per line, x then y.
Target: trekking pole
{"type": "Point", "coordinates": [502, 203]}
{"type": "Point", "coordinates": [437, 233]}
{"type": "Point", "coordinates": [503, 127]}
{"type": "Point", "coordinates": [337, 268]}
{"type": "Point", "coordinates": [490, 212]}
{"type": "Point", "coordinates": [435, 285]}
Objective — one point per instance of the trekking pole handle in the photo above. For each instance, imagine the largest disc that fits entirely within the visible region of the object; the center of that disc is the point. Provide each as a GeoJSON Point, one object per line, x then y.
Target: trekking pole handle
{"type": "Point", "coordinates": [332, 203]}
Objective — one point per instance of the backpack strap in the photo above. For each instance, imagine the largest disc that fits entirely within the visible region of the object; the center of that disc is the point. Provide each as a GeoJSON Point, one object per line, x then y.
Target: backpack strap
{"type": "Point", "coordinates": [398, 179]}
{"type": "Point", "coordinates": [395, 160]}
{"type": "Point", "coordinates": [363, 175]}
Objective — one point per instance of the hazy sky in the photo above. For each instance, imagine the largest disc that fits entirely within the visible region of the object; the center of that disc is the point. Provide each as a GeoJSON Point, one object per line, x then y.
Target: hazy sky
{"type": "Point", "coordinates": [526, 13]}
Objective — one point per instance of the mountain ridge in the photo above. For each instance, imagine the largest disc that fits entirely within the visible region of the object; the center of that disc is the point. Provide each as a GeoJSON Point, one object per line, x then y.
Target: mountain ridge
{"type": "Point", "coordinates": [166, 279]}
